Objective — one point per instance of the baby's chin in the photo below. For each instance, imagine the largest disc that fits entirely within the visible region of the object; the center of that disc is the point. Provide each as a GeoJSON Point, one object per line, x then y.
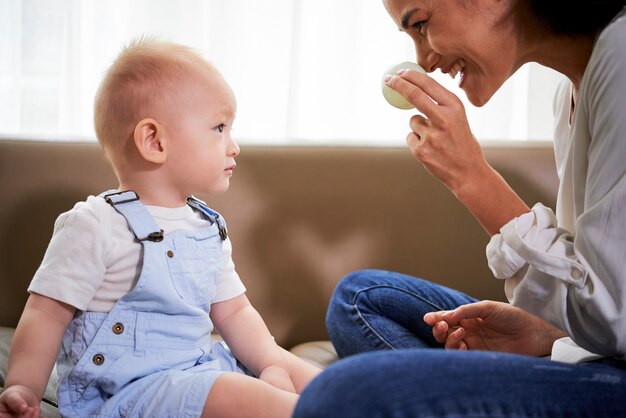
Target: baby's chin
{"type": "Point", "coordinates": [219, 189]}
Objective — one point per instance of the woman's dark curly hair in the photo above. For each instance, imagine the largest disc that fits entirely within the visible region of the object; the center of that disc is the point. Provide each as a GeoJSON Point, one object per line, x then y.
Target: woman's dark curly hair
{"type": "Point", "coordinates": [575, 17]}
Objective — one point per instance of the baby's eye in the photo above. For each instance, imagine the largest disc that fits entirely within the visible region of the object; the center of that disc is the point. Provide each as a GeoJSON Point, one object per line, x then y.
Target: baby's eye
{"type": "Point", "coordinates": [220, 128]}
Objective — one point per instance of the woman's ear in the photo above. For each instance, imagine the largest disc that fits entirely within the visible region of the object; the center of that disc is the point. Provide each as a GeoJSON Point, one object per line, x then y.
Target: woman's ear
{"type": "Point", "coordinates": [150, 140]}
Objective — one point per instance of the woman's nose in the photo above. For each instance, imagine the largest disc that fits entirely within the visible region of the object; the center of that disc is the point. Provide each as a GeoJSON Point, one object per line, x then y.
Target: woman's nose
{"type": "Point", "coordinates": [426, 57]}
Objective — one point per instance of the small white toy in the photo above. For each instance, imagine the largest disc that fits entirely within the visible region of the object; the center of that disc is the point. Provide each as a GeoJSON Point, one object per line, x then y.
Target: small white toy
{"type": "Point", "coordinates": [393, 97]}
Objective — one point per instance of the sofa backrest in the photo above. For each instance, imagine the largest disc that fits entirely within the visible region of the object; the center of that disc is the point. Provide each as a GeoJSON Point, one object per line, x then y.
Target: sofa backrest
{"type": "Point", "coordinates": [300, 218]}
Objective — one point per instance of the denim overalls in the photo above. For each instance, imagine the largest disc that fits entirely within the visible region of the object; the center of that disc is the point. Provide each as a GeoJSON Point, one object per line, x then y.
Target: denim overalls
{"type": "Point", "coordinates": [152, 354]}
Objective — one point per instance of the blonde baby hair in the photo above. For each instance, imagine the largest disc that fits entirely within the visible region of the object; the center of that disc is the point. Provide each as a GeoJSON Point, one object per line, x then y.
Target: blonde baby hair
{"type": "Point", "coordinates": [145, 80]}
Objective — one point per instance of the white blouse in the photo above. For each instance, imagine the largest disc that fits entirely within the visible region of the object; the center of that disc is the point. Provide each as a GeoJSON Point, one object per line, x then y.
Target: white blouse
{"type": "Point", "coordinates": [570, 269]}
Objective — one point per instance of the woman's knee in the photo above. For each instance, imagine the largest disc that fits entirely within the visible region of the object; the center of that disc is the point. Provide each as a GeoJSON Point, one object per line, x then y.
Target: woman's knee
{"type": "Point", "coordinates": [347, 289]}
{"type": "Point", "coordinates": [357, 280]}
{"type": "Point", "coordinates": [354, 283]}
{"type": "Point", "coordinates": [361, 281]}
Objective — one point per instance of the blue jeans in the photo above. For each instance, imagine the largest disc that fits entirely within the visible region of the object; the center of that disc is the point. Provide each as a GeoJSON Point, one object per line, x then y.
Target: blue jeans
{"type": "Point", "coordinates": [392, 370]}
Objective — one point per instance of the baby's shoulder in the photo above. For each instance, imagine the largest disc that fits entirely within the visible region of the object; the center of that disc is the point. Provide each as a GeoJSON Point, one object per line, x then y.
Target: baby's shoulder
{"type": "Point", "coordinates": [93, 213]}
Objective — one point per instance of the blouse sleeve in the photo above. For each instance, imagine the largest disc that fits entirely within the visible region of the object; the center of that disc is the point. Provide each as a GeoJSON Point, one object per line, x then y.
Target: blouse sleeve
{"type": "Point", "coordinates": [577, 281]}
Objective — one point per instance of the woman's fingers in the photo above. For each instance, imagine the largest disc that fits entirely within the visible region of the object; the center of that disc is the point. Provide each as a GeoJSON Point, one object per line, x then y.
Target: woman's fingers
{"type": "Point", "coordinates": [439, 326]}
{"type": "Point", "coordinates": [413, 141]}
{"type": "Point", "coordinates": [445, 332]}
{"type": "Point", "coordinates": [423, 92]}
{"type": "Point", "coordinates": [428, 85]}
{"type": "Point", "coordinates": [450, 336]}
{"type": "Point", "coordinates": [416, 96]}
{"type": "Point", "coordinates": [431, 318]}
{"type": "Point", "coordinates": [449, 317]}
{"type": "Point", "coordinates": [440, 332]}
{"type": "Point", "coordinates": [480, 309]}
{"type": "Point", "coordinates": [419, 131]}
{"type": "Point", "coordinates": [454, 340]}
{"type": "Point", "coordinates": [419, 124]}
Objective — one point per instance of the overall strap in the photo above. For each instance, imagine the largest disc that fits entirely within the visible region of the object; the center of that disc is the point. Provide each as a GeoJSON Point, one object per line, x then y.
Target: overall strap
{"type": "Point", "coordinates": [213, 216]}
{"type": "Point", "coordinates": [139, 219]}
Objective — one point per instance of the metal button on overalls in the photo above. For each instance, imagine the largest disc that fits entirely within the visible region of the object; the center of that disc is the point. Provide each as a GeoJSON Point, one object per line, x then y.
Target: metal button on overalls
{"type": "Point", "coordinates": [168, 334]}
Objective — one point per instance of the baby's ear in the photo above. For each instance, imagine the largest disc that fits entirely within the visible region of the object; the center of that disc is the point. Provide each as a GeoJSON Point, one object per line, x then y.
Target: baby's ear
{"type": "Point", "coordinates": [150, 141]}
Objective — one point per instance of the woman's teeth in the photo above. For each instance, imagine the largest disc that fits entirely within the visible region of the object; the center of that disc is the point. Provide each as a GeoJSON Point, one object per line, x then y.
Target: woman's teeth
{"type": "Point", "coordinates": [456, 68]}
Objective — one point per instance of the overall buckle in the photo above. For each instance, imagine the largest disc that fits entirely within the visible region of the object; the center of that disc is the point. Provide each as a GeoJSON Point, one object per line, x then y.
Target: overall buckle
{"type": "Point", "coordinates": [107, 198]}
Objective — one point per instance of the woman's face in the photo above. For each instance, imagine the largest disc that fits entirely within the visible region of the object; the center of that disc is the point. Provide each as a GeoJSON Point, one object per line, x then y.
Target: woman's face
{"type": "Point", "coordinates": [476, 38]}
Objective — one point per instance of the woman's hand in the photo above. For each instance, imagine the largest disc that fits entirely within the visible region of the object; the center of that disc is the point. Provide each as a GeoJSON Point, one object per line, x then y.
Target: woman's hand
{"type": "Point", "coordinates": [442, 140]}
{"type": "Point", "coordinates": [19, 401]}
{"type": "Point", "coordinates": [493, 326]}
{"type": "Point", "coordinates": [445, 145]}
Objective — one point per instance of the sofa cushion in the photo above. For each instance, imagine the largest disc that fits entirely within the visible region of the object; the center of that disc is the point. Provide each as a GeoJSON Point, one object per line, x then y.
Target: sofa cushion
{"type": "Point", "coordinates": [318, 353]}
{"type": "Point", "coordinates": [6, 334]}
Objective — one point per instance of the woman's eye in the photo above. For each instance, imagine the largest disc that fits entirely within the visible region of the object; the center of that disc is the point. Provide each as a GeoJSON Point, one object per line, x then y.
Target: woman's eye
{"type": "Point", "coordinates": [220, 128]}
{"type": "Point", "coordinates": [419, 25]}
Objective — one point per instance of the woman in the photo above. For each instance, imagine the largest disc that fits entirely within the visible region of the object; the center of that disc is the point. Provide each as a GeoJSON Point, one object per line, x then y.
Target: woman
{"type": "Point", "coordinates": [565, 274]}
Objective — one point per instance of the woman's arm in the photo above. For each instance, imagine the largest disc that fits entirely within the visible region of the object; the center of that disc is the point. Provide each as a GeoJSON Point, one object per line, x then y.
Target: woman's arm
{"type": "Point", "coordinates": [571, 272]}
{"type": "Point", "coordinates": [443, 142]}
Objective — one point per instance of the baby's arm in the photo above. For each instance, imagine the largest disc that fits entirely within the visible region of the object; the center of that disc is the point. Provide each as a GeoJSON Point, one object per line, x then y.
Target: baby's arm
{"type": "Point", "coordinates": [34, 350]}
{"type": "Point", "coordinates": [246, 334]}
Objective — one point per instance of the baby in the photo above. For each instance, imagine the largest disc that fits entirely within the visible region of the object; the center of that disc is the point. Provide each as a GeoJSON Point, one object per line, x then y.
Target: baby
{"type": "Point", "coordinates": [134, 280]}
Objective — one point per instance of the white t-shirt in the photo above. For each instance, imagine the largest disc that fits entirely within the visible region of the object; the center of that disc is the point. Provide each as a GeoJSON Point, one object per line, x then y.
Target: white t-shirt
{"type": "Point", "coordinates": [93, 258]}
{"type": "Point", "coordinates": [570, 269]}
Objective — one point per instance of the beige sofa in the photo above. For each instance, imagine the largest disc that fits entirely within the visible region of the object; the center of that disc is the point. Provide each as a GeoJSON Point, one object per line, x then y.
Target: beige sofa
{"type": "Point", "coordinates": [300, 218]}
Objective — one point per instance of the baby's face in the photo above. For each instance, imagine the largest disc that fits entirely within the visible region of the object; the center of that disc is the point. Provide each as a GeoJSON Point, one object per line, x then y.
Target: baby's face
{"type": "Point", "coordinates": [202, 152]}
